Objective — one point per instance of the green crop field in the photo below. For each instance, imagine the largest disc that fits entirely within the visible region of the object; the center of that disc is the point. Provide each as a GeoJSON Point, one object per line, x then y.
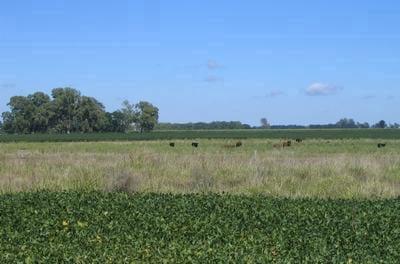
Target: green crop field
{"type": "Point", "coordinates": [213, 134]}
{"type": "Point", "coordinates": [93, 227]}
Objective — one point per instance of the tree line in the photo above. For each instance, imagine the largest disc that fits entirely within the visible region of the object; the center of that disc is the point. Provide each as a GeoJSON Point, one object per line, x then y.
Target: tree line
{"type": "Point", "coordinates": [67, 111]}
{"type": "Point", "coordinates": [264, 124]}
{"type": "Point", "coordinates": [203, 125]}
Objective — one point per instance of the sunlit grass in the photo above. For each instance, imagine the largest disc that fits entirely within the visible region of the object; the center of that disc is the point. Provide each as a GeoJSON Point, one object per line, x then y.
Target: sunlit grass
{"type": "Point", "coordinates": [314, 168]}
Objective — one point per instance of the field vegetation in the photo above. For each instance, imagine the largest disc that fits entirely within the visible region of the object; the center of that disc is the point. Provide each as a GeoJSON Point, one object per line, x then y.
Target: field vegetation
{"type": "Point", "coordinates": [313, 168]}
{"type": "Point", "coordinates": [93, 227]}
{"type": "Point", "coordinates": [210, 134]}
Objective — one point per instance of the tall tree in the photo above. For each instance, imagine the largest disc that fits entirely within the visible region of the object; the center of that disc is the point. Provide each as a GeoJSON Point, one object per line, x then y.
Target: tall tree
{"type": "Point", "coordinates": [147, 116]}
{"type": "Point", "coordinates": [346, 123]}
{"type": "Point", "coordinates": [130, 115]}
{"type": "Point", "coordinates": [116, 122]}
{"type": "Point", "coordinates": [42, 112]}
{"type": "Point", "coordinates": [264, 123]}
{"type": "Point", "coordinates": [65, 106]}
{"type": "Point", "coordinates": [18, 120]}
{"type": "Point", "coordinates": [90, 115]}
{"type": "Point", "coordinates": [381, 124]}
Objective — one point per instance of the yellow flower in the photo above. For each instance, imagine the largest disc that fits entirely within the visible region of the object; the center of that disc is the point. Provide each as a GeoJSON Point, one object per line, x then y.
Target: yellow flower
{"type": "Point", "coordinates": [82, 224]}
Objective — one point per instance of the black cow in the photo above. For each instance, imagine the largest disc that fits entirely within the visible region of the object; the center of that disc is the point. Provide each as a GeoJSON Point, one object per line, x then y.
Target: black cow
{"type": "Point", "coordinates": [172, 144]}
{"type": "Point", "coordinates": [238, 144]}
{"type": "Point", "coordinates": [195, 144]}
{"type": "Point", "coordinates": [287, 143]}
{"type": "Point", "coordinates": [299, 140]}
{"type": "Point", "coordinates": [381, 145]}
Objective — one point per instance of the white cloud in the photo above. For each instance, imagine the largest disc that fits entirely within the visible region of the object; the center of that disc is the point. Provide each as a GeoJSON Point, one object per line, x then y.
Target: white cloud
{"type": "Point", "coordinates": [321, 89]}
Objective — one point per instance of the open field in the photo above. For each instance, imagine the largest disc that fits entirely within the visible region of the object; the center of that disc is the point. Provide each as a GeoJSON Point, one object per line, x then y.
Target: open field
{"type": "Point", "coordinates": [209, 134]}
{"type": "Point", "coordinates": [318, 201]}
{"type": "Point", "coordinates": [314, 168]}
{"type": "Point", "coordinates": [79, 227]}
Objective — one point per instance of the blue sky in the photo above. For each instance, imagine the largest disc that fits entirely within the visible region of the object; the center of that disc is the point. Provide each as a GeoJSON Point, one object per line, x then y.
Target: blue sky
{"type": "Point", "coordinates": [294, 62]}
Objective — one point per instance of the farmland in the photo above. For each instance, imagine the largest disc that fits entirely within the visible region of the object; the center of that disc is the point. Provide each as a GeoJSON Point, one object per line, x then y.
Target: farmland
{"type": "Point", "coordinates": [210, 134]}
{"type": "Point", "coordinates": [326, 199]}
{"type": "Point", "coordinates": [93, 227]}
{"type": "Point", "coordinates": [313, 168]}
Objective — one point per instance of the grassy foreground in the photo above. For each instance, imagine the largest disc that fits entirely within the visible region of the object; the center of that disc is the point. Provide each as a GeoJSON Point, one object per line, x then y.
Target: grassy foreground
{"type": "Point", "coordinates": [95, 227]}
{"type": "Point", "coordinates": [314, 168]}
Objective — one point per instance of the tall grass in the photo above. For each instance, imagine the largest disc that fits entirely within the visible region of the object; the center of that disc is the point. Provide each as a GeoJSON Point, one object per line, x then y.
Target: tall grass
{"type": "Point", "coordinates": [314, 168]}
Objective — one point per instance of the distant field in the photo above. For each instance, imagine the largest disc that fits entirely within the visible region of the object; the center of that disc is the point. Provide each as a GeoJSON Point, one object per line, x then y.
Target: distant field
{"type": "Point", "coordinates": [348, 168]}
{"type": "Point", "coordinates": [93, 227]}
{"type": "Point", "coordinates": [215, 134]}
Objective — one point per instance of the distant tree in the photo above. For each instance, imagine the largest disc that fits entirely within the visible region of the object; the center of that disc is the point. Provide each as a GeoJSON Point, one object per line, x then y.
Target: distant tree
{"type": "Point", "coordinates": [19, 119]}
{"type": "Point", "coordinates": [65, 106]}
{"type": "Point", "coordinates": [346, 123]}
{"type": "Point", "coordinates": [129, 114]}
{"type": "Point", "coordinates": [147, 116]}
{"type": "Point", "coordinates": [202, 125]}
{"type": "Point", "coordinates": [68, 111]}
{"type": "Point", "coordinates": [363, 125]}
{"type": "Point", "coordinates": [116, 122]}
{"type": "Point", "coordinates": [42, 112]}
{"type": "Point", "coordinates": [395, 125]}
{"type": "Point", "coordinates": [264, 123]}
{"type": "Point", "coordinates": [380, 124]}
{"type": "Point", "coordinates": [90, 115]}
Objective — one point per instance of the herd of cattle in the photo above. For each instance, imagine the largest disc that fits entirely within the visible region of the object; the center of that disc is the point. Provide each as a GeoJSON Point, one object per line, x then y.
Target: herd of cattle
{"type": "Point", "coordinates": [282, 144]}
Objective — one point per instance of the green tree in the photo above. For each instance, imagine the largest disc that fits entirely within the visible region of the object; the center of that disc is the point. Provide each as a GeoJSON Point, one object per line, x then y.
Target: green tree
{"type": "Point", "coordinates": [8, 122]}
{"type": "Point", "coordinates": [90, 115]}
{"type": "Point", "coordinates": [65, 105]}
{"type": "Point", "coordinates": [346, 123]}
{"type": "Point", "coordinates": [42, 112]}
{"type": "Point", "coordinates": [19, 118]}
{"type": "Point", "coordinates": [381, 124]}
{"type": "Point", "coordinates": [116, 122]}
{"type": "Point", "coordinates": [147, 116]}
{"type": "Point", "coordinates": [130, 115]}
{"type": "Point", "coordinates": [264, 123]}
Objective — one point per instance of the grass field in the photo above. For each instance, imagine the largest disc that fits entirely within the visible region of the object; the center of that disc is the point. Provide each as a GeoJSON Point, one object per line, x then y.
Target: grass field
{"type": "Point", "coordinates": [314, 168]}
{"type": "Point", "coordinates": [212, 134]}
{"type": "Point", "coordinates": [79, 227]}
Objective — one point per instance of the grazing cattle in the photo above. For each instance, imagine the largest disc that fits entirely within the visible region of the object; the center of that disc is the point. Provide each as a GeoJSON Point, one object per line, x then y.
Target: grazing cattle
{"type": "Point", "coordinates": [284, 144]}
{"type": "Point", "coordinates": [238, 144]}
{"type": "Point", "coordinates": [287, 143]}
{"type": "Point", "coordinates": [299, 140]}
{"type": "Point", "coordinates": [381, 145]}
{"type": "Point", "coordinates": [195, 144]}
{"type": "Point", "coordinates": [172, 144]}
